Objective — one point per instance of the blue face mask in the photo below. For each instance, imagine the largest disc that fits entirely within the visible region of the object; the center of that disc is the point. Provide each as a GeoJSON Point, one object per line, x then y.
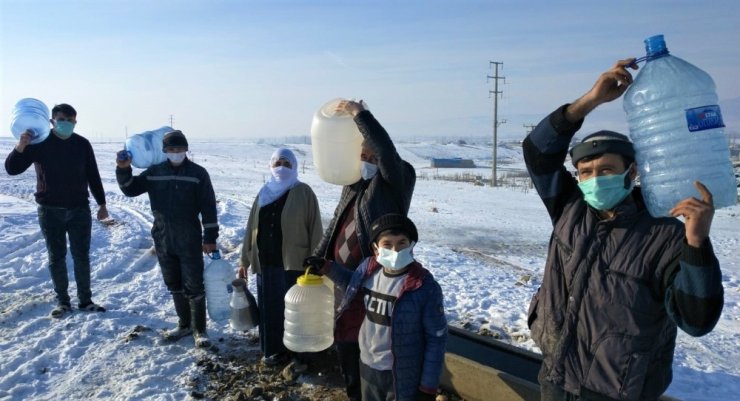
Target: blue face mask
{"type": "Point", "coordinates": [368, 170]}
{"type": "Point", "coordinates": [393, 260]}
{"type": "Point", "coordinates": [606, 191]}
{"type": "Point", "coordinates": [64, 128]}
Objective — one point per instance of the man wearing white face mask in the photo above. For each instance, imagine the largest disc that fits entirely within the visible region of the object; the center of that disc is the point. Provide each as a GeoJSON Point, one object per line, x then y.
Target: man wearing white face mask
{"type": "Point", "coordinates": [179, 192]}
{"type": "Point", "coordinates": [404, 330]}
{"type": "Point", "coordinates": [65, 169]}
{"type": "Point", "coordinates": [618, 282]}
{"type": "Point", "coordinates": [386, 186]}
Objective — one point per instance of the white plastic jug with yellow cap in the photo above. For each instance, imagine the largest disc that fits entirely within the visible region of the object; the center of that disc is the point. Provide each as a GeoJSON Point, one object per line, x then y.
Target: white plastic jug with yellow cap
{"type": "Point", "coordinates": [336, 144]}
{"type": "Point", "coordinates": [309, 315]}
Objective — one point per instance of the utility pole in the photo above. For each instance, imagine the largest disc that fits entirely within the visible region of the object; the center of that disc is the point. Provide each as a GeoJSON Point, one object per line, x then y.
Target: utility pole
{"type": "Point", "coordinates": [171, 123]}
{"type": "Point", "coordinates": [496, 123]}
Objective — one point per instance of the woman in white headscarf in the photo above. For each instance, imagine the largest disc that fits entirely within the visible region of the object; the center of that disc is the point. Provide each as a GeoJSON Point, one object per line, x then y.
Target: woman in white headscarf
{"type": "Point", "coordinates": [284, 227]}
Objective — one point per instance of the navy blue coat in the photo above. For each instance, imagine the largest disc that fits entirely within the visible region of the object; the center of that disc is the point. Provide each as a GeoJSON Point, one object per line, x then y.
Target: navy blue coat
{"type": "Point", "coordinates": [418, 325]}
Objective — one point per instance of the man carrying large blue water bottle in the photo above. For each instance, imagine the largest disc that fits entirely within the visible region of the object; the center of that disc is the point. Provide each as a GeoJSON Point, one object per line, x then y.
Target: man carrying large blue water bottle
{"type": "Point", "coordinates": [617, 282]}
{"type": "Point", "coordinates": [65, 169]}
{"type": "Point", "coordinates": [179, 191]}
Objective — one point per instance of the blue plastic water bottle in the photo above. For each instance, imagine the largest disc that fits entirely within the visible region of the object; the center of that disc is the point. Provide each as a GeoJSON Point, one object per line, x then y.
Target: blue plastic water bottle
{"type": "Point", "coordinates": [145, 149]}
{"type": "Point", "coordinates": [676, 125]}
{"type": "Point", "coordinates": [217, 278]}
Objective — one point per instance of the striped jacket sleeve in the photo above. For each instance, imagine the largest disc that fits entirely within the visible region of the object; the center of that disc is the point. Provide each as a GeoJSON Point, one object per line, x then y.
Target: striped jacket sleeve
{"type": "Point", "coordinates": [545, 149]}
{"type": "Point", "coordinates": [694, 296]}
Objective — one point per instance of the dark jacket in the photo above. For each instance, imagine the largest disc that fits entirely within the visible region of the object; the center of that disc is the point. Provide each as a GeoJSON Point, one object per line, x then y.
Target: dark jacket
{"type": "Point", "coordinates": [177, 196]}
{"type": "Point", "coordinates": [614, 290]}
{"type": "Point", "coordinates": [418, 325]}
{"type": "Point", "coordinates": [389, 191]}
{"type": "Point", "coordinates": [64, 170]}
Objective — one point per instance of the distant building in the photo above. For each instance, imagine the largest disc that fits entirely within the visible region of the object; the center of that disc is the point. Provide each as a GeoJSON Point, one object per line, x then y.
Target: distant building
{"type": "Point", "coordinates": [455, 162]}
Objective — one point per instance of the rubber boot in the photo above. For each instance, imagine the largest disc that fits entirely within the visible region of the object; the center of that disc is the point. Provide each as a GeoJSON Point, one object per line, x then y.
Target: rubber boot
{"type": "Point", "coordinates": [182, 307]}
{"type": "Point", "coordinates": [198, 313]}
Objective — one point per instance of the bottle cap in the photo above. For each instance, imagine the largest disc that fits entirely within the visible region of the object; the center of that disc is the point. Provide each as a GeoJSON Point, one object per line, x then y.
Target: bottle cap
{"type": "Point", "coordinates": [655, 46]}
{"type": "Point", "coordinates": [309, 280]}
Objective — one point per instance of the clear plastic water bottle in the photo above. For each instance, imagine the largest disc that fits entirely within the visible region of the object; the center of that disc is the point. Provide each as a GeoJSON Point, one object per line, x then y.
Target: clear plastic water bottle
{"type": "Point", "coordinates": [30, 114]}
{"type": "Point", "coordinates": [309, 315]}
{"type": "Point", "coordinates": [145, 149]}
{"type": "Point", "coordinates": [217, 277]}
{"type": "Point", "coordinates": [676, 125]}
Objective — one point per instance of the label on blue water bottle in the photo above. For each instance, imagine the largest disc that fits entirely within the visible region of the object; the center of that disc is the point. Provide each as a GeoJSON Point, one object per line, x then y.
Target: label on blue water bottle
{"type": "Point", "coordinates": [705, 117]}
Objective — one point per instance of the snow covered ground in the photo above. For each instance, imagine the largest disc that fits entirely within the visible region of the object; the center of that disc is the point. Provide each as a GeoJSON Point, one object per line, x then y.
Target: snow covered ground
{"type": "Point", "coordinates": [486, 246]}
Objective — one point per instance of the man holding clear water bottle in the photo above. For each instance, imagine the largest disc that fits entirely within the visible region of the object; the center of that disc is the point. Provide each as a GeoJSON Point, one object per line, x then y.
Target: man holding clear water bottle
{"type": "Point", "coordinates": [618, 282]}
{"type": "Point", "coordinates": [65, 169]}
{"type": "Point", "coordinates": [179, 192]}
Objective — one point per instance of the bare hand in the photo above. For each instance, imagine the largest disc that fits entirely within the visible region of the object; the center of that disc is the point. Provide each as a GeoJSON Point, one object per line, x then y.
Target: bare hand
{"type": "Point", "coordinates": [610, 85]}
{"type": "Point", "coordinates": [242, 273]}
{"type": "Point", "coordinates": [102, 213]}
{"type": "Point", "coordinates": [208, 248]}
{"type": "Point", "coordinates": [24, 141]}
{"type": "Point", "coordinates": [697, 214]}
{"type": "Point", "coordinates": [614, 82]}
{"type": "Point", "coordinates": [351, 107]}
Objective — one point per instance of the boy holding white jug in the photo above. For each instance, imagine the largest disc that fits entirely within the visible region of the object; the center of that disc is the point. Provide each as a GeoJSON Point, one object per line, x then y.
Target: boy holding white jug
{"type": "Point", "coordinates": [404, 330]}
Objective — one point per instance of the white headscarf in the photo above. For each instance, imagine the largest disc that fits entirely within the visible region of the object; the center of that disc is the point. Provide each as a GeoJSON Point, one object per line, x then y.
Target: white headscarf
{"type": "Point", "coordinates": [281, 178]}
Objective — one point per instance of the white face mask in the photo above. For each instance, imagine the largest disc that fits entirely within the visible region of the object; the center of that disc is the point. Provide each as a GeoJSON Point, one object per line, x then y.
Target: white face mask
{"type": "Point", "coordinates": [393, 260]}
{"type": "Point", "coordinates": [368, 170]}
{"type": "Point", "coordinates": [176, 158]}
{"type": "Point", "coordinates": [281, 173]}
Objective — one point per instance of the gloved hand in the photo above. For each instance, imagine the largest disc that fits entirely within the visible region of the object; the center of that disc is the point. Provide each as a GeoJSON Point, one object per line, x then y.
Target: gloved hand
{"type": "Point", "coordinates": [314, 264]}
{"type": "Point", "coordinates": [422, 396]}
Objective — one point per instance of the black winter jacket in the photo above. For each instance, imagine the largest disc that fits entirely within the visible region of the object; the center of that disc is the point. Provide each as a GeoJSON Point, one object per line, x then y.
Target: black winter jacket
{"type": "Point", "coordinates": [614, 290]}
{"type": "Point", "coordinates": [177, 197]}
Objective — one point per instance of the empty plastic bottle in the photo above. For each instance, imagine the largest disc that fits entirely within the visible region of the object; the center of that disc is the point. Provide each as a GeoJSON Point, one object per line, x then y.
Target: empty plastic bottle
{"type": "Point", "coordinates": [309, 315]}
{"type": "Point", "coordinates": [30, 114]}
{"type": "Point", "coordinates": [145, 149]}
{"type": "Point", "coordinates": [243, 309]}
{"type": "Point", "coordinates": [217, 277]}
{"type": "Point", "coordinates": [676, 125]}
{"type": "Point", "coordinates": [336, 144]}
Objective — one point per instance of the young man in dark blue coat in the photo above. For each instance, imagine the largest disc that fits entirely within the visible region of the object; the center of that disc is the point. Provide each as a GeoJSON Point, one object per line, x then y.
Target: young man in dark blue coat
{"type": "Point", "coordinates": [403, 331]}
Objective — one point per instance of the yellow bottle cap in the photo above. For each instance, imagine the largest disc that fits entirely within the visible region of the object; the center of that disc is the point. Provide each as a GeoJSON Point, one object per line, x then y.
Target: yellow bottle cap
{"type": "Point", "coordinates": [309, 280]}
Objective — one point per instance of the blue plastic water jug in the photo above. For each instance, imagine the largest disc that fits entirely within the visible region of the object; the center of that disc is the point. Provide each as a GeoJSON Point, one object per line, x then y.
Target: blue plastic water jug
{"type": "Point", "coordinates": [30, 114]}
{"type": "Point", "coordinates": [676, 125]}
{"type": "Point", "coordinates": [217, 277]}
{"type": "Point", "coordinates": [145, 149]}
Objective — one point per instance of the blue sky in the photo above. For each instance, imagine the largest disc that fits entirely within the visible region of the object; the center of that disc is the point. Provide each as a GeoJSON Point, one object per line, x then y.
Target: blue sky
{"type": "Point", "coordinates": [230, 69]}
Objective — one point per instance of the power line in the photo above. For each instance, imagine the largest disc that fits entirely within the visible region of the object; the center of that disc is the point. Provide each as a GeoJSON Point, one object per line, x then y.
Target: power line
{"type": "Point", "coordinates": [496, 123]}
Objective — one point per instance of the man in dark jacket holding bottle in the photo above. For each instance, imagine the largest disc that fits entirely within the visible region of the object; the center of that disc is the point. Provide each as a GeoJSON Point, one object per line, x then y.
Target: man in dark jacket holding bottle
{"type": "Point", "coordinates": [618, 282]}
{"type": "Point", "coordinates": [179, 191]}
{"type": "Point", "coordinates": [386, 186]}
{"type": "Point", "coordinates": [65, 168]}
